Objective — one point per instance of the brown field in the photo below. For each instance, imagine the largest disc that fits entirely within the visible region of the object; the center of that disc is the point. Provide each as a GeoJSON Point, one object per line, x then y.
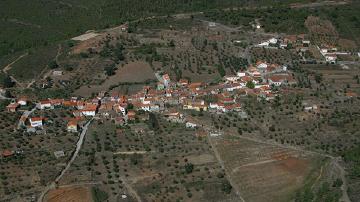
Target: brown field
{"type": "Point", "coordinates": [263, 172]}
{"type": "Point", "coordinates": [132, 72]}
{"type": "Point", "coordinates": [71, 194]}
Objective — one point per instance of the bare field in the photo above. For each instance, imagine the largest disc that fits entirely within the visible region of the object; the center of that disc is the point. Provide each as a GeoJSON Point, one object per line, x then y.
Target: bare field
{"type": "Point", "coordinates": [130, 73]}
{"type": "Point", "coordinates": [71, 194]}
{"type": "Point", "coordinates": [263, 172]}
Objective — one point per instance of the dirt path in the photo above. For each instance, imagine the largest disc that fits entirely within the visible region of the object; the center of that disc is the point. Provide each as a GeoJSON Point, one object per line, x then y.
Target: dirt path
{"type": "Point", "coordinates": [220, 161]}
{"type": "Point", "coordinates": [9, 66]}
{"type": "Point", "coordinates": [131, 190]}
{"type": "Point", "coordinates": [319, 4]}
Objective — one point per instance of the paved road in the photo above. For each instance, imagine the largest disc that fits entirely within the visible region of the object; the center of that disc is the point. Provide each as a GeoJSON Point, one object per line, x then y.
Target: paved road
{"type": "Point", "coordinates": [77, 150]}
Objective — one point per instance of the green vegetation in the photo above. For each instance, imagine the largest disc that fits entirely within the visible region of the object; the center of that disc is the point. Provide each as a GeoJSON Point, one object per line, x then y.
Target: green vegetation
{"type": "Point", "coordinates": [31, 65]}
{"type": "Point", "coordinates": [99, 195]}
{"type": "Point", "coordinates": [3, 104]}
{"type": "Point", "coordinates": [353, 157]}
{"type": "Point", "coordinates": [38, 23]}
{"type": "Point", "coordinates": [5, 81]}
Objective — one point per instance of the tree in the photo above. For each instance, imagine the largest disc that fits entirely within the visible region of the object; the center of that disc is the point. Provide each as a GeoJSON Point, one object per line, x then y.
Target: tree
{"type": "Point", "coordinates": [189, 167]}
{"type": "Point", "coordinates": [53, 64]}
{"type": "Point", "coordinates": [221, 71]}
{"type": "Point", "coordinates": [7, 82]}
{"type": "Point", "coordinates": [226, 187]}
{"type": "Point", "coordinates": [110, 70]}
{"type": "Point", "coordinates": [172, 43]}
{"type": "Point", "coordinates": [250, 84]}
{"type": "Point", "coordinates": [318, 78]}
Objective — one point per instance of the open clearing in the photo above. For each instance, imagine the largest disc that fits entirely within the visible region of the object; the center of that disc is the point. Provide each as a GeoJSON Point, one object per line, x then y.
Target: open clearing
{"type": "Point", "coordinates": [78, 194]}
{"type": "Point", "coordinates": [85, 37]}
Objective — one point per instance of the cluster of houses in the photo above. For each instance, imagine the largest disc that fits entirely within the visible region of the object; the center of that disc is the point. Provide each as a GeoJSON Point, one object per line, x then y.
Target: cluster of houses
{"type": "Point", "coordinates": [302, 43]}
{"type": "Point", "coordinates": [258, 80]}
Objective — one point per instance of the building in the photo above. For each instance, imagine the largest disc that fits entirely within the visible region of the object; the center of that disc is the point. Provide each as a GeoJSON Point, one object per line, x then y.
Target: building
{"type": "Point", "coordinates": [89, 110]}
{"type": "Point", "coordinates": [36, 122]}
{"type": "Point", "coordinates": [12, 107]}
{"type": "Point", "coordinates": [22, 101]}
{"type": "Point", "coordinates": [166, 79]}
{"type": "Point", "coordinates": [45, 104]}
{"type": "Point", "coordinates": [72, 126]}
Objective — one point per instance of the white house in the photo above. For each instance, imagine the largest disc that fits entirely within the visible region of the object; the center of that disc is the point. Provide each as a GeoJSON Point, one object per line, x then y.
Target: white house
{"type": "Point", "coordinates": [45, 104]}
{"type": "Point", "coordinates": [36, 122]}
{"type": "Point", "coordinates": [190, 125]}
{"type": "Point", "coordinates": [89, 110]}
{"type": "Point", "coordinates": [261, 65]}
{"type": "Point", "coordinates": [22, 101]}
{"type": "Point", "coordinates": [241, 74]}
{"type": "Point", "coordinates": [273, 41]}
{"type": "Point", "coordinates": [231, 78]}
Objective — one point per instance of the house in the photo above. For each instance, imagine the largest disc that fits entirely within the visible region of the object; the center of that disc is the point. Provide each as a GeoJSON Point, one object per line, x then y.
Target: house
{"type": "Point", "coordinates": [57, 73]}
{"type": "Point", "coordinates": [183, 82]}
{"type": "Point", "coordinates": [36, 122]}
{"type": "Point", "coordinates": [72, 126]}
{"type": "Point", "coordinates": [281, 79]}
{"type": "Point", "coordinates": [175, 117]}
{"type": "Point", "coordinates": [59, 154]}
{"type": "Point", "coordinates": [7, 153]}
{"type": "Point", "coordinates": [12, 107]}
{"type": "Point", "coordinates": [45, 104]}
{"type": "Point", "coordinates": [241, 74]}
{"type": "Point", "coordinates": [131, 115]}
{"type": "Point", "coordinates": [190, 123]}
{"type": "Point", "coordinates": [166, 79]}
{"type": "Point", "coordinates": [56, 102]}
{"type": "Point", "coordinates": [195, 105]}
{"type": "Point", "coordinates": [195, 86]}
{"type": "Point", "coordinates": [261, 65]}
{"type": "Point", "coordinates": [231, 78]}
{"type": "Point", "coordinates": [89, 110]}
{"type": "Point", "coordinates": [22, 101]}
{"type": "Point", "coordinates": [310, 108]}
{"type": "Point", "coordinates": [306, 43]}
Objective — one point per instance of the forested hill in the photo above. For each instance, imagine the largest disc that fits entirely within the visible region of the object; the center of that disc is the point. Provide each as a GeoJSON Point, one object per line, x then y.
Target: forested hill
{"type": "Point", "coordinates": [34, 23]}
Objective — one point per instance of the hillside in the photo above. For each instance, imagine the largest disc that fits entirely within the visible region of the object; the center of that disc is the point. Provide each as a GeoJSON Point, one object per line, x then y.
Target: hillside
{"type": "Point", "coordinates": [28, 24]}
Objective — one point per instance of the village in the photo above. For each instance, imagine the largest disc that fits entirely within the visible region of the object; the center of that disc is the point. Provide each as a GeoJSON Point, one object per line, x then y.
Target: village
{"type": "Point", "coordinates": [168, 97]}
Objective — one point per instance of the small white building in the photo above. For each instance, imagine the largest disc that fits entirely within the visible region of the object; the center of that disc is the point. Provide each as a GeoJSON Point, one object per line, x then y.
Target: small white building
{"type": "Point", "coordinates": [241, 74]}
{"type": "Point", "coordinates": [190, 125]}
{"type": "Point", "coordinates": [36, 122]}
{"type": "Point", "coordinates": [45, 104]}
{"type": "Point", "coordinates": [22, 101]}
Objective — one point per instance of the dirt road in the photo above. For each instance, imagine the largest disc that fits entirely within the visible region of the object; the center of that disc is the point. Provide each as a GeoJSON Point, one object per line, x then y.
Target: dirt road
{"type": "Point", "coordinates": [77, 150]}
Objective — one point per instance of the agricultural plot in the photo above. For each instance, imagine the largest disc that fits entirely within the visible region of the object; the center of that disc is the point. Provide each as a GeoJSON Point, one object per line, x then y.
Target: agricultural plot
{"type": "Point", "coordinates": [264, 172]}
{"type": "Point", "coordinates": [164, 163]}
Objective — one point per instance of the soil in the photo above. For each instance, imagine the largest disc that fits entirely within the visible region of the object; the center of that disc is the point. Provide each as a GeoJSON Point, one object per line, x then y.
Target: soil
{"type": "Point", "coordinates": [72, 194]}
